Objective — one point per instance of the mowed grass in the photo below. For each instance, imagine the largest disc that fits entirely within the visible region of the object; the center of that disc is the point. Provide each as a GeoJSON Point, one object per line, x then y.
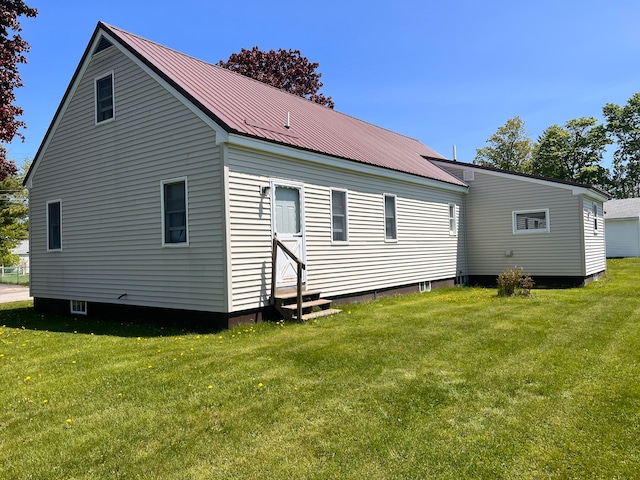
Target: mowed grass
{"type": "Point", "coordinates": [452, 384]}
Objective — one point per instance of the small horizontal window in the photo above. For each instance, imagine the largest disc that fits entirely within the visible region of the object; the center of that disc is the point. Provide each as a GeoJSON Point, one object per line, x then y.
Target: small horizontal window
{"type": "Point", "coordinates": [79, 307]}
{"type": "Point", "coordinates": [532, 221]}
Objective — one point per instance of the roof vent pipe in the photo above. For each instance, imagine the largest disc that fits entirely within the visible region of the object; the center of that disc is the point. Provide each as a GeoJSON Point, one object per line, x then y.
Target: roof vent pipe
{"type": "Point", "coordinates": [288, 124]}
{"type": "Point", "coordinates": [454, 154]}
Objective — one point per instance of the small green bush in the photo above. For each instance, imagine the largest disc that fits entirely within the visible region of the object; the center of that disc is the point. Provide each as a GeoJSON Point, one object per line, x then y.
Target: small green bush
{"type": "Point", "coordinates": [514, 282]}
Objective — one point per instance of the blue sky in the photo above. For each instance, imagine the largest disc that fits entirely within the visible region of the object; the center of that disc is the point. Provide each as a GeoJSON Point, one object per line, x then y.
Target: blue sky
{"type": "Point", "coordinates": [444, 72]}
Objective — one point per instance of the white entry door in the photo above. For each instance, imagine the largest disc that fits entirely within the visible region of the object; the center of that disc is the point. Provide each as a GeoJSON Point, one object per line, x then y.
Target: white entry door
{"type": "Point", "coordinates": [288, 225]}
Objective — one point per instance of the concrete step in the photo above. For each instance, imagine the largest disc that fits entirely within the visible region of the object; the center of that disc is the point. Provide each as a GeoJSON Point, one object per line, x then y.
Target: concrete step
{"type": "Point", "coordinates": [318, 314]}
{"type": "Point", "coordinates": [287, 297]}
{"type": "Point", "coordinates": [320, 302]}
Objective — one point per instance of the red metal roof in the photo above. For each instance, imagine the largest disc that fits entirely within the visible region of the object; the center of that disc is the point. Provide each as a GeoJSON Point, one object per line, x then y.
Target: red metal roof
{"type": "Point", "coordinates": [248, 107]}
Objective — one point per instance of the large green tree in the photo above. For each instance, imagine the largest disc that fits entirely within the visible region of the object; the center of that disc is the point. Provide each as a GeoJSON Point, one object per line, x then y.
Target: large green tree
{"type": "Point", "coordinates": [623, 122]}
{"type": "Point", "coordinates": [510, 148]}
{"type": "Point", "coordinates": [13, 216]}
{"type": "Point", "coordinates": [573, 152]}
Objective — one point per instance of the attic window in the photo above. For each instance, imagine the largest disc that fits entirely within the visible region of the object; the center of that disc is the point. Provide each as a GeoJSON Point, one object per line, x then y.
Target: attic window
{"type": "Point", "coordinates": [103, 45]}
{"type": "Point", "coordinates": [104, 98]}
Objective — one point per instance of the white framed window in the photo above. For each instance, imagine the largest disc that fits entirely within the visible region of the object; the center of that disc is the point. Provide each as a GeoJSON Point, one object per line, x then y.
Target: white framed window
{"type": "Point", "coordinates": [339, 216]}
{"type": "Point", "coordinates": [175, 212]}
{"type": "Point", "coordinates": [390, 218]}
{"type": "Point", "coordinates": [594, 212]}
{"type": "Point", "coordinates": [531, 221]}
{"type": "Point", "coordinates": [54, 225]}
{"type": "Point", "coordinates": [78, 307]}
{"type": "Point", "coordinates": [105, 105]}
{"type": "Point", "coordinates": [453, 222]}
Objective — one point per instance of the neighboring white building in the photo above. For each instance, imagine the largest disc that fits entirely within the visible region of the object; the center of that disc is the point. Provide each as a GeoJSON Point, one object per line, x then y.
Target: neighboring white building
{"type": "Point", "coordinates": [22, 250]}
{"type": "Point", "coordinates": [622, 218]}
{"type": "Point", "coordinates": [163, 180]}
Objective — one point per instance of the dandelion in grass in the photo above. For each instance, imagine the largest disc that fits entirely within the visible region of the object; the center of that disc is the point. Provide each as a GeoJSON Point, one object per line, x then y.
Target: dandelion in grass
{"type": "Point", "coordinates": [45, 401]}
{"type": "Point", "coordinates": [27, 378]}
{"type": "Point", "coordinates": [210, 387]}
{"type": "Point", "coordinates": [260, 385]}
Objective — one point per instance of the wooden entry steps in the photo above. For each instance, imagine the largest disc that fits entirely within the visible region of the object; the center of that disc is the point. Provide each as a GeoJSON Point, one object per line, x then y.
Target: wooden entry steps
{"type": "Point", "coordinates": [312, 305]}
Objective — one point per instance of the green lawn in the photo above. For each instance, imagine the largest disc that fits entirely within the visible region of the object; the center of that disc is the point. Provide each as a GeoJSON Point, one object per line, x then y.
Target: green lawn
{"type": "Point", "coordinates": [455, 383]}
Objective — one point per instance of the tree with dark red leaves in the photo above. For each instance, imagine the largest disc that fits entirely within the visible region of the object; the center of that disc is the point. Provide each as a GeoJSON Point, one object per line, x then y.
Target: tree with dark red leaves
{"type": "Point", "coordinates": [287, 70]}
{"type": "Point", "coordinates": [12, 50]}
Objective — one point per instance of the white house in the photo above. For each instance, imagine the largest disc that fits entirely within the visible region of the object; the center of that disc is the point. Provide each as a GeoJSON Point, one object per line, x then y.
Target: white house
{"type": "Point", "coordinates": [622, 218]}
{"type": "Point", "coordinates": [553, 229]}
{"type": "Point", "coordinates": [163, 180]}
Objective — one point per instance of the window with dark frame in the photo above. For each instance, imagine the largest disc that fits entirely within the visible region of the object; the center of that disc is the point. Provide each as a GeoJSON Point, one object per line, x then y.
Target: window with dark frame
{"type": "Point", "coordinates": [390, 226]}
{"type": "Point", "coordinates": [339, 215]}
{"type": "Point", "coordinates": [104, 98]}
{"type": "Point", "coordinates": [175, 212]}
{"type": "Point", "coordinates": [594, 209]}
{"type": "Point", "coordinates": [54, 225]}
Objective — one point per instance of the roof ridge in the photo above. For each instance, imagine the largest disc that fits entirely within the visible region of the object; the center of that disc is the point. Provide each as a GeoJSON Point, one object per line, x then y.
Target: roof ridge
{"type": "Point", "coordinates": [206, 62]}
{"type": "Point", "coordinates": [316, 105]}
{"type": "Point", "coordinates": [245, 106]}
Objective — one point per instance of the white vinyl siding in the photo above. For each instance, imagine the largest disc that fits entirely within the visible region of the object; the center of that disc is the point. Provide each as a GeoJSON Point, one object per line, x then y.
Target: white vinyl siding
{"type": "Point", "coordinates": [426, 251]}
{"type": "Point", "coordinates": [594, 238]}
{"type": "Point", "coordinates": [492, 244]}
{"type": "Point", "coordinates": [109, 180]}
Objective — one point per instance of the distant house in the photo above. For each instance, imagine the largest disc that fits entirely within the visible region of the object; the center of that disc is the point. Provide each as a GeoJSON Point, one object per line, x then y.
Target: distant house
{"type": "Point", "coordinates": [22, 250]}
{"type": "Point", "coordinates": [163, 181]}
{"type": "Point", "coordinates": [622, 218]}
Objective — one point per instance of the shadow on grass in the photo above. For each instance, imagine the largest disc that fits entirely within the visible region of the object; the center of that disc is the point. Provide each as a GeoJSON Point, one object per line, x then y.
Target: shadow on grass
{"type": "Point", "coordinates": [22, 315]}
